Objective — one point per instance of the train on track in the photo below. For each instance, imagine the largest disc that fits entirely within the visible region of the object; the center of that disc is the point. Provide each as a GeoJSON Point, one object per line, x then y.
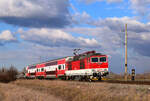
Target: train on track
{"type": "Point", "coordinates": [86, 66]}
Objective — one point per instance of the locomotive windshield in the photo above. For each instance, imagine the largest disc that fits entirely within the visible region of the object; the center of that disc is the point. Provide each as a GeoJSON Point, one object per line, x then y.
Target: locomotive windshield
{"type": "Point", "coordinates": [94, 59]}
{"type": "Point", "coordinates": [102, 59]}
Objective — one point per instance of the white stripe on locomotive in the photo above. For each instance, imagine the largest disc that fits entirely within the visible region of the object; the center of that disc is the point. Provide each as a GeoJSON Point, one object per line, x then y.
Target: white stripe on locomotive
{"type": "Point", "coordinates": [85, 71]}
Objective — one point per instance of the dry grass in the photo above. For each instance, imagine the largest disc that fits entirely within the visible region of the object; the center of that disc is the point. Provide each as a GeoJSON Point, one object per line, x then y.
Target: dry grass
{"type": "Point", "coordinates": [143, 76]}
{"type": "Point", "coordinates": [84, 91]}
{"type": "Point", "coordinates": [1, 93]}
{"type": "Point", "coordinates": [14, 93]}
{"type": "Point", "coordinates": [1, 96]}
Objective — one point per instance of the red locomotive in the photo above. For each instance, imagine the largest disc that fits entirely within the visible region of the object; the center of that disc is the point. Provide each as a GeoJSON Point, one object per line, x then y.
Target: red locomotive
{"type": "Point", "coordinates": [87, 66]}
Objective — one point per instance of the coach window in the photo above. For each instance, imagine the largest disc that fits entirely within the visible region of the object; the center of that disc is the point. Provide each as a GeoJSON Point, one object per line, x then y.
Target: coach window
{"type": "Point", "coordinates": [59, 67]}
{"type": "Point", "coordinates": [37, 70]}
{"type": "Point", "coordinates": [102, 59]}
{"type": "Point", "coordinates": [94, 59]}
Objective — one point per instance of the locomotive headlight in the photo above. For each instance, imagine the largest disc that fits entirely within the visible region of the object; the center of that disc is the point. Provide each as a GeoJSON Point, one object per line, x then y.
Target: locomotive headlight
{"type": "Point", "coordinates": [105, 69]}
{"type": "Point", "coordinates": [93, 70]}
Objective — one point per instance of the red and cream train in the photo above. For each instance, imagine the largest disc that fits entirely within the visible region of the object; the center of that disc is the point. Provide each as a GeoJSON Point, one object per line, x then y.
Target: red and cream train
{"type": "Point", "coordinates": [87, 66]}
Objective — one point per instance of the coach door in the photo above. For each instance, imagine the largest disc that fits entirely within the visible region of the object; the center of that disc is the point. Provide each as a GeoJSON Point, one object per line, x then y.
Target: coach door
{"type": "Point", "coordinates": [82, 64]}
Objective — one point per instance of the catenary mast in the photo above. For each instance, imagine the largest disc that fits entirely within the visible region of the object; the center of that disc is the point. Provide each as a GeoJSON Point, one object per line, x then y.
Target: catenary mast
{"type": "Point", "coordinates": [126, 52]}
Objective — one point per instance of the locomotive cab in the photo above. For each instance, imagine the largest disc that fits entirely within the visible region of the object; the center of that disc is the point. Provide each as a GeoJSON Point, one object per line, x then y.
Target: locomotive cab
{"type": "Point", "coordinates": [99, 64]}
{"type": "Point", "coordinates": [102, 59]}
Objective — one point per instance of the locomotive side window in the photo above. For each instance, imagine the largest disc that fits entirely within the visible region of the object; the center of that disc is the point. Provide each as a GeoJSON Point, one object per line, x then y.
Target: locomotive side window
{"type": "Point", "coordinates": [102, 59]}
{"type": "Point", "coordinates": [59, 67]}
{"type": "Point", "coordinates": [94, 59]}
{"type": "Point", "coordinates": [42, 69]}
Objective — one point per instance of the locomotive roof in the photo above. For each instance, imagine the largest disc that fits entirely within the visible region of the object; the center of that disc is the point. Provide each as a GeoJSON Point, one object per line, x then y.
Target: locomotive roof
{"type": "Point", "coordinates": [85, 55]}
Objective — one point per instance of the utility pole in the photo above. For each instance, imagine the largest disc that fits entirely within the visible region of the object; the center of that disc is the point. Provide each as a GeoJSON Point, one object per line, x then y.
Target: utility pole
{"type": "Point", "coordinates": [126, 74]}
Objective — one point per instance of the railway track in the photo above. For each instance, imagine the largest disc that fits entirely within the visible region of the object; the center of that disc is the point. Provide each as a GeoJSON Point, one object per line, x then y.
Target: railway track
{"type": "Point", "coordinates": [128, 82]}
{"type": "Point", "coordinates": [117, 82]}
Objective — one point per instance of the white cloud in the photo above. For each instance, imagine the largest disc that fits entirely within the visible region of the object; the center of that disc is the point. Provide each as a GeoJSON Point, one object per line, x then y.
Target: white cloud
{"type": "Point", "coordinates": [145, 36]}
{"type": "Point", "coordinates": [56, 38]}
{"type": "Point", "coordinates": [110, 33]}
{"type": "Point", "coordinates": [81, 18]}
{"type": "Point", "coordinates": [108, 1]}
{"type": "Point", "coordinates": [141, 6]}
{"type": "Point", "coordinates": [6, 36]}
{"type": "Point", "coordinates": [35, 13]}
{"type": "Point", "coordinates": [118, 24]}
{"type": "Point", "coordinates": [113, 1]}
{"type": "Point", "coordinates": [108, 39]}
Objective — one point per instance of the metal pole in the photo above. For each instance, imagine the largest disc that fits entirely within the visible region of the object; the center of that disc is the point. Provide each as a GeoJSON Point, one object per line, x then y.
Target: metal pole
{"type": "Point", "coordinates": [126, 52]}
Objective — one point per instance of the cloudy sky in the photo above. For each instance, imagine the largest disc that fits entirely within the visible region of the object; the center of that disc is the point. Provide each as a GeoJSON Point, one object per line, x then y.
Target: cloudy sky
{"type": "Point", "coordinates": [38, 30]}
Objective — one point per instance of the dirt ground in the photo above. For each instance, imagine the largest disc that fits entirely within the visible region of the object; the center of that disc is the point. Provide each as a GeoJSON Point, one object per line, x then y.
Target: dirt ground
{"type": "Point", "coordinates": [56, 90]}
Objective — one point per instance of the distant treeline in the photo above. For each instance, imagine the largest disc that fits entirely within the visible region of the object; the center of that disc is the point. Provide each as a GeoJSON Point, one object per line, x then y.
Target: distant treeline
{"type": "Point", "coordinates": [8, 74]}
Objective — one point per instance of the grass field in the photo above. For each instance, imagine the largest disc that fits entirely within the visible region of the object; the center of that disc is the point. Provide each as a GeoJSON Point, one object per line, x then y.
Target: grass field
{"type": "Point", "coordinates": [55, 90]}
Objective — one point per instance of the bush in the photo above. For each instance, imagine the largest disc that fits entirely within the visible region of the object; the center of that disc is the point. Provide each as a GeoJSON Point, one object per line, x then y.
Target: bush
{"type": "Point", "coordinates": [7, 75]}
